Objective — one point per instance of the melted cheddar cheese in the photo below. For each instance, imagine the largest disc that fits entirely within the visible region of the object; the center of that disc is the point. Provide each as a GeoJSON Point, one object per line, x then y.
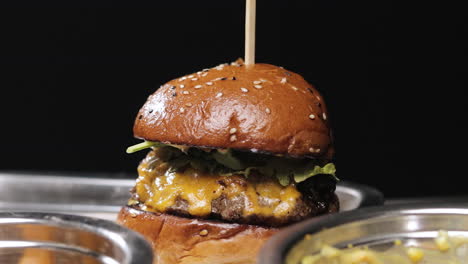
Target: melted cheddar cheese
{"type": "Point", "coordinates": [159, 188]}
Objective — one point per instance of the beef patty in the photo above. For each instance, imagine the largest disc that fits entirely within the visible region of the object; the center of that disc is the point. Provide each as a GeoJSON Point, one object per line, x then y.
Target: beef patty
{"type": "Point", "coordinates": [258, 199]}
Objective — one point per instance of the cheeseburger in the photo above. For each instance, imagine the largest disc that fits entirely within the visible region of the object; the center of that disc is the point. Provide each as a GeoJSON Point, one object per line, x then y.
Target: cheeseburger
{"type": "Point", "coordinates": [235, 153]}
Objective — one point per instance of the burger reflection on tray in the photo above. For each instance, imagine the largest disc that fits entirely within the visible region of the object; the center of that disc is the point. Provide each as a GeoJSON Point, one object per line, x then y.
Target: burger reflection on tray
{"type": "Point", "coordinates": [236, 152]}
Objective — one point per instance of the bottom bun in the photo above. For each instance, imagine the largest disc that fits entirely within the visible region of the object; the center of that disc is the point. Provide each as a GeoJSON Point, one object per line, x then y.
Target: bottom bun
{"type": "Point", "coordinates": [190, 241]}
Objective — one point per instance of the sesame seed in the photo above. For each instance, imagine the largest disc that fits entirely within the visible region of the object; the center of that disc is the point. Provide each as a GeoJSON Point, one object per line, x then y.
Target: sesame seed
{"type": "Point", "coordinates": [191, 76]}
{"type": "Point", "coordinates": [268, 110]}
{"type": "Point", "coordinates": [257, 82]}
{"type": "Point", "coordinates": [233, 138]}
{"type": "Point", "coordinates": [182, 110]}
{"type": "Point", "coordinates": [198, 86]}
{"type": "Point", "coordinates": [312, 116]}
{"type": "Point", "coordinates": [294, 88]}
{"type": "Point", "coordinates": [182, 86]}
{"type": "Point", "coordinates": [204, 74]}
{"type": "Point", "coordinates": [314, 150]}
{"type": "Point", "coordinates": [232, 130]}
{"type": "Point", "coordinates": [258, 86]}
{"type": "Point", "coordinates": [205, 70]}
{"type": "Point", "coordinates": [182, 79]}
{"type": "Point", "coordinates": [209, 83]}
{"type": "Point", "coordinates": [198, 73]}
{"type": "Point", "coordinates": [324, 116]}
{"type": "Point", "coordinates": [262, 80]}
{"type": "Point", "coordinates": [133, 215]}
{"type": "Point", "coordinates": [244, 90]}
{"type": "Point", "coordinates": [283, 80]}
{"type": "Point", "coordinates": [188, 104]}
{"type": "Point", "coordinates": [194, 79]}
{"type": "Point", "coordinates": [219, 95]}
{"type": "Point", "coordinates": [223, 79]}
{"type": "Point", "coordinates": [318, 98]}
{"type": "Point", "coordinates": [172, 87]}
{"type": "Point", "coordinates": [204, 232]}
{"type": "Point", "coordinates": [185, 92]}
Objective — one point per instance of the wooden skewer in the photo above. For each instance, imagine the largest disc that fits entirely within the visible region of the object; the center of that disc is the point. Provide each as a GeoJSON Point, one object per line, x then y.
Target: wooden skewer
{"type": "Point", "coordinates": [250, 10]}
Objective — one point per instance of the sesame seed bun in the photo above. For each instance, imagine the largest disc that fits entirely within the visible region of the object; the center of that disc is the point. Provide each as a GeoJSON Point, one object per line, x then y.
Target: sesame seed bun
{"type": "Point", "coordinates": [182, 240]}
{"type": "Point", "coordinates": [261, 108]}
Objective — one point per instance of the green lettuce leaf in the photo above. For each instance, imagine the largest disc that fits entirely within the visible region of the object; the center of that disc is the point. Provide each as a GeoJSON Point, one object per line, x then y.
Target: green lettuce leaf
{"type": "Point", "coordinates": [150, 144]}
{"type": "Point", "coordinates": [142, 146]}
{"type": "Point", "coordinates": [228, 160]}
{"type": "Point", "coordinates": [226, 163]}
{"type": "Point", "coordinates": [304, 174]}
{"type": "Point", "coordinates": [286, 174]}
{"type": "Point", "coordinates": [284, 177]}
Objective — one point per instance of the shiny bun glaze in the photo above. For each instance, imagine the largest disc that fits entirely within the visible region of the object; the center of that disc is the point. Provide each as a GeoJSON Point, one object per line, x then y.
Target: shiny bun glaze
{"type": "Point", "coordinates": [190, 241]}
{"type": "Point", "coordinates": [257, 108]}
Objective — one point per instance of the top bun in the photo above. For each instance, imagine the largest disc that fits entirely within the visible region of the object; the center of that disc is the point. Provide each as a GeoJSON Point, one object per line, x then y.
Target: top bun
{"type": "Point", "coordinates": [260, 107]}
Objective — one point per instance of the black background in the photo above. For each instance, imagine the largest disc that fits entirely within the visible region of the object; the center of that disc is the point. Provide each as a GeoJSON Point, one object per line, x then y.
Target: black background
{"type": "Point", "coordinates": [74, 74]}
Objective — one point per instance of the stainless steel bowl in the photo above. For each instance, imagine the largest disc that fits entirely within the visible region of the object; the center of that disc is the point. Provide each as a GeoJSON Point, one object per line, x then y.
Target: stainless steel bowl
{"type": "Point", "coordinates": [56, 238]}
{"type": "Point", "coordinates": [376, 227]}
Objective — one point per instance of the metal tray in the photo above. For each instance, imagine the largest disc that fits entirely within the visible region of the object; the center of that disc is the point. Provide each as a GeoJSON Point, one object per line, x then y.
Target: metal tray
{"type": "Point", "coordinates": [103, 197]}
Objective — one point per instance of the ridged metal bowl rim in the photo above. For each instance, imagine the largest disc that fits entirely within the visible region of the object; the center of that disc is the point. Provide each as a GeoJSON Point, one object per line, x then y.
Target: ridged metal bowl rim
{"type": "Point", "coordinates": [134, 247]}
{"type": "Point", "coordinates": [276, 248]}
